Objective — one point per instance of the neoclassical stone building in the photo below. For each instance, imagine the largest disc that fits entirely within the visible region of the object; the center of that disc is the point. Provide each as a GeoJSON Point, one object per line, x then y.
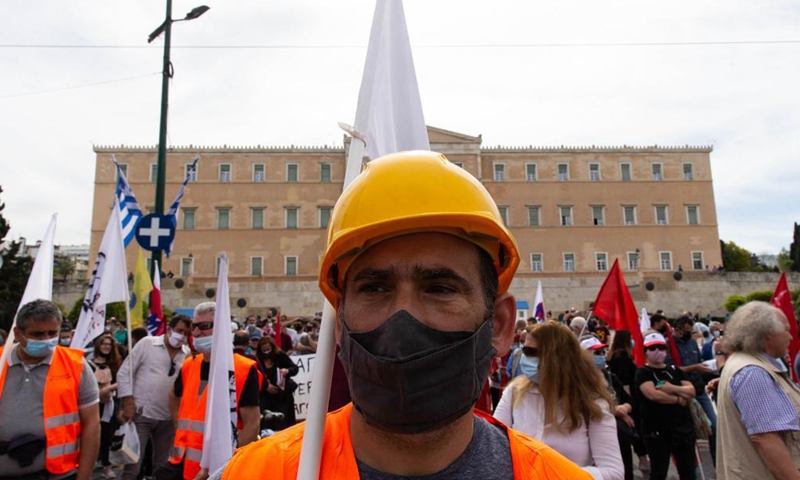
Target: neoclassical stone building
{"type": "Point", "coordinates": [573, 210]}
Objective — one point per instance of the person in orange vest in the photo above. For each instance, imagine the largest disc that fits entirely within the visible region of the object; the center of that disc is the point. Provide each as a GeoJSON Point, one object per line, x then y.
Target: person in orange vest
{"type": "Point", "coordinates": [188, 401]}
{"type": "Point", "coordinates": [49, 403]}
{"type": "Point", "coordinates": [418, 265]}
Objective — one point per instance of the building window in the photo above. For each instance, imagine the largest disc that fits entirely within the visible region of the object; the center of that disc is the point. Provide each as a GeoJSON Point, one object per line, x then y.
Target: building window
{"type": "Point", "coordinates": [153, 172]}
{"type": "Point", "coordinates": [693, 215]}
{"type": "Point", "coordinates": [662, 217]}
{"type": "Point", "coordinates": [633, 261]}
{"type": "Point", "coordinates": [259, 173]}
{"type": "Point", "coordinates": [697, 261]}
{"type": "Point", "coordinates": [594, 172]}
{"type": "Point", "coordinates": [223, 218]}
{"type": "Point", "coordinates": [224, 172]}
{"type": "Point", "coordinates": [188, 218]}
{"type": "Point", "coordinates": [531, 173]}
{"type": "Point", "coordinates": [291, 217]}
{"type": "Point", "coordinates": [658, 174]}
{"type": "Point", "coordinates": [629, 214]}
{"type": "Point", "coordinates": [598, 215]}
{"type": "Point", "coordinates": [325, 172]}
{"type": "Point", "coordinates": [534, 216]}
{"type": "Point", "coordinates": [499, 172]}
{"type": "Point", "coordinates": [123, 168]}
{"type": "Point", "coordinates": [256, 266]}
{"type": "Point", "coordinates": [666, 260]}
{"type": "Point", "coordinates": [537, 264]}
{"type": "Point", "coordinates": [503, 213]}
{"type": "Point", "coordinates": [569, 262]}
{"type": "Point", "coordinates": [191, 172]}
{"type": "Point", "coordinates": [688, 171]}
{"type": "Point", "coordinates": [324, 216]}
{"type": "Point", "coordinates": [290, 266]}
{"type": "Point", "coordinates": [291, 172]}
{"type": "Point", "coordinates": [187, 266]}
{"type": "Point", "coordinates": [563, 172]}
{"type": "Point", "coordinates": [625, 172]}
{"type": "Point", "coordinates": [601, 261]}
{"type": "Point", "coordinates": [257, 217]}
{"type": "Point", "coordinates": [566, 216]}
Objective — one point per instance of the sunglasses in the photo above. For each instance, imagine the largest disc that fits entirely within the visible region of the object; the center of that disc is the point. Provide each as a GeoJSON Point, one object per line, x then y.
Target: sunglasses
{"type": "Point", "coordinates": [530, 351]}
{"type": "Point", "coordinates": [656, 347]}
{"type": "Point", "coordinates": [203, 325]}
{"type": "Point", "coordinates": [171, 369]}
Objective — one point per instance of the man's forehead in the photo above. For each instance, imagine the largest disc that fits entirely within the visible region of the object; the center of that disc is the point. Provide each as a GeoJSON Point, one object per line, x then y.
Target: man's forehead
{"type": "Point", "coordinates": [412, 252]}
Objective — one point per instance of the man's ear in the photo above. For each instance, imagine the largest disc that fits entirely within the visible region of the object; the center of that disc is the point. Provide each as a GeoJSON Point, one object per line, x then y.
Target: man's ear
{"type": "Point", "coordinates": [505, 309]}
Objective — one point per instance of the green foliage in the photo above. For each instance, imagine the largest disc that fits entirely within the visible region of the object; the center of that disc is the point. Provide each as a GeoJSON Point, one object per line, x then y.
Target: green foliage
{"type": "Point", "coordinates": [734, 257]}
{"type": "Point", "coordinates": [116, 309]}
{"type": "Point", "coordinates": [733, 302]}
{"type": "Point", "coordinates": [760, 295]}
{"type": "Point", "coordinates": [13, 274]}
{"type": "Point", "coordinates": [785, 262]}
{"type": "Point", "coordinates": [63, 267]}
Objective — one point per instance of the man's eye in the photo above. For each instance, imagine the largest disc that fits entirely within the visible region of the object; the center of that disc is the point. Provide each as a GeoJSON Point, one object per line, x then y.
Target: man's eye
{"type": "Point", "coordinates": [441, 289]}
{"type": "Point", "coordinates": [372, 288]}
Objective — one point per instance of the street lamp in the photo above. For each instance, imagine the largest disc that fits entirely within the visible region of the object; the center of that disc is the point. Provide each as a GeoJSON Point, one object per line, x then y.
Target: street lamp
{"type": "Point", "coordinates": [166, 72]}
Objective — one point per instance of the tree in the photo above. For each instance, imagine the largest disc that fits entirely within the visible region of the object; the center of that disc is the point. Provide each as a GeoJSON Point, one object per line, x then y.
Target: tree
{"type": "Point", "coordinates": [14, 273]}
{"type": "Point", "coordinates": [794, 249]}
{"type": "Point", "coordinates": [735, 258]}
{"type": "Point", "coordinates": [63, 266]}
{"type": "Point", "coordinates": [785, 262]}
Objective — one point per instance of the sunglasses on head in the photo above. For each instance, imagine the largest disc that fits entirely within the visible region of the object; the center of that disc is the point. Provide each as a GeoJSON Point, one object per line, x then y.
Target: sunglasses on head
{"type": "Point", "coordinates": [656, 347]}
{"type": "Point", "coordinates": [530, 351]}
{"type": "Point", "coordinates": [203, 325]}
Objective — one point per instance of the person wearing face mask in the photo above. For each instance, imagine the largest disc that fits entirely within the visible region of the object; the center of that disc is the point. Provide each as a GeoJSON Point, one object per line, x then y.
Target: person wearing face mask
{"type": "Point", "coordinates": [562, 400]}
{"type": "Point", "coordinates": [65, 335]}
{"type": "Point", "coordinates": [277, 392]}
{"type": "Point", "coordinates": [417, 266]}
{"type": "Point", "coordinates": [188, 400]}
{"type": "Point", "coordinates": [49, 415]}
{"type": "Point", "coordinates": [715, 332]}
{"type": "Point", "coordinates": [105, 362]}
{"type": "Point", "coordinates": [664, 394]}
{"type": "Point", "coordinates": [155, 361]}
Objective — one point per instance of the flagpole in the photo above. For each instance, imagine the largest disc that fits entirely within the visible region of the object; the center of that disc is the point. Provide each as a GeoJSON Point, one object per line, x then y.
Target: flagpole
{"type": "Point", "coordinates": [130, 339]}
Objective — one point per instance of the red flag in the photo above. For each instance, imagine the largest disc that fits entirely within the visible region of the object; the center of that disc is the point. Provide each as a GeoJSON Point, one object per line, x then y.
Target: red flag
{"type": "Point", "coordinates": [782, 299]}
{"type": "Point", "coordinates": [155, 321]}
{"type": "Point", "coordinates": [614, 306]}
{"type": "Point", "coordinates": [673, 347]}
{"type": "Point", "coordinates": [278, 330]}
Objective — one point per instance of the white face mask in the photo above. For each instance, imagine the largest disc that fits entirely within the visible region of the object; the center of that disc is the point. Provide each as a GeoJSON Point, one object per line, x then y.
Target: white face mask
{"type": "Point", "coordinates": [176, 340]}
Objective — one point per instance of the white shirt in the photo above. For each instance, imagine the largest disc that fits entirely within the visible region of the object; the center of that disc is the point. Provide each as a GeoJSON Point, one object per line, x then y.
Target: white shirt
{"type": "Point", "coordinates": [595, 449]}
{"type": "Point", "coordinates": [151, 380]}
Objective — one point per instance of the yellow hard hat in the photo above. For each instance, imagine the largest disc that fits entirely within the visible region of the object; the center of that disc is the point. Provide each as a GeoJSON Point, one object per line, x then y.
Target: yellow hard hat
{"type": "Point", "coordinates": [412, 192]}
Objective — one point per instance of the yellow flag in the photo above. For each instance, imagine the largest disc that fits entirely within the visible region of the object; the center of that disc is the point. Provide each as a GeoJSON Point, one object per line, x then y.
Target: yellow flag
{"type": "Point", "coordinates": [142, 285]}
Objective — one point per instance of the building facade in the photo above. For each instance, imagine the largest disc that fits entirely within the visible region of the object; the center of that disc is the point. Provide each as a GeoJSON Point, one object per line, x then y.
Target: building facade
{"type": "Point", "coordinates": [573, 210]}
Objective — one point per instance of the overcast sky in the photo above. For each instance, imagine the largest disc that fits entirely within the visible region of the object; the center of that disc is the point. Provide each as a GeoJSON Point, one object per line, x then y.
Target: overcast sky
{"type": "Point", "coordinates": [520, 72]}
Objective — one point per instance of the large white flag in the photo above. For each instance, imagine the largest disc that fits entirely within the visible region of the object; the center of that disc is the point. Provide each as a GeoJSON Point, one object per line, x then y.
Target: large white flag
{"type": "Point", "coordinates": [219, 438]}
{"type": "Point", "coordinates": [109, 283]}
{"type": "Point", "coordinates": [389, 113]}
{"type": "Point", "coordinates": [644, 321]}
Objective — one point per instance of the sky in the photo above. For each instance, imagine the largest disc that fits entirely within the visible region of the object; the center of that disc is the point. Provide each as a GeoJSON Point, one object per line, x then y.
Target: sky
{"type": "Point", "coordinates": [637, 72]}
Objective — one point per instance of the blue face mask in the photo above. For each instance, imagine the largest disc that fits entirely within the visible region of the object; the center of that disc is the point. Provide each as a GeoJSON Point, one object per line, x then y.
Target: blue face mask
{"type": "Point", "coordinates": [40, 348]}
{"type": "Point", "coordinates": [203, 344]}
{"type": "Point", "coordinates": [530, 368]}
{"type": "Point", "coordinates": [599, 361]}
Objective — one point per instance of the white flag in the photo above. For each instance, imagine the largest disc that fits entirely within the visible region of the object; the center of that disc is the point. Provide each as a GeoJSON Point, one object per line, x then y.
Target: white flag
{"type": "Point", "coordinates": [389, 113]}
{"type": "Point", "coordinates": [219, 438]}
{"type": "Point", "coordinates": [644, 321]}
{"type": "Point", "coordinates": [538, 304]}
{"type": "Point", "coordinates": [109, 283]}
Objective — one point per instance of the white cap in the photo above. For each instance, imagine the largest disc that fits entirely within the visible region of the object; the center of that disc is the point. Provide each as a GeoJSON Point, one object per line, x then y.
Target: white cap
{"type": "Point", "coordinates": [654, 339]}
{"type": "Point", "coordinates": [592, 343]}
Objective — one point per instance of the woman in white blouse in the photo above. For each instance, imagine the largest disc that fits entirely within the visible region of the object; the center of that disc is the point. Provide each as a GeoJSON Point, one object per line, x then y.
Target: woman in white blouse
{"type": "Point", "coordinates": [561, 400]}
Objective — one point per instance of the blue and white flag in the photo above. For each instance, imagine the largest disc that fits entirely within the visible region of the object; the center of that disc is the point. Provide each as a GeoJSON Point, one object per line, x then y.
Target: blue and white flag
{"type": "Point", "coordinates": [172, 213]}
{"type": "Point", "coordinates": [129, 210]}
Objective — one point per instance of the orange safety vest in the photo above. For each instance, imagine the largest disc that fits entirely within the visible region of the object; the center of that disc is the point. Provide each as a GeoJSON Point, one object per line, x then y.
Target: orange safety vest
{"type": "Point", "coordinates": [188, 444]}
{"type": "Point", "coordinates": [62, 420]}
{"type": "Point", "coordinates": [280, 455]}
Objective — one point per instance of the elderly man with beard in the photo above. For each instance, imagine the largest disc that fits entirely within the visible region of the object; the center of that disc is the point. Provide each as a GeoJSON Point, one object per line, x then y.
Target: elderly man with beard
{"type": "Point", "coordinates": [418, 266]}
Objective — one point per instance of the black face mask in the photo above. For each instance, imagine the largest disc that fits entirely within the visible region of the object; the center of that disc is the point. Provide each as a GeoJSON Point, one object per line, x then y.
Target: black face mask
{"type": "Point", "coordinates": [686, 336]}
{"type": "Point", "coordinates": [662, 329]}
{"type": "Point", "coordinates": [406, 377]}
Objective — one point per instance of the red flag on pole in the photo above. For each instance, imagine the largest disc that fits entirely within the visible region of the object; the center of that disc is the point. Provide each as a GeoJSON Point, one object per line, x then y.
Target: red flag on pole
{"type": "Point", "coordinates": [614, 306]}
{"type": "Point", "coordinates": [782, 299]}
{"type": "Point", "coordinates": [278, 330]}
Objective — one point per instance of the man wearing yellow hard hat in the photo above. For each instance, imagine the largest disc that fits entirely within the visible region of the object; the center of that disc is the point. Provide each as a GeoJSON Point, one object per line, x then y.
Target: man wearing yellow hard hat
{"type": "Point", "coordinates": [418, 267]}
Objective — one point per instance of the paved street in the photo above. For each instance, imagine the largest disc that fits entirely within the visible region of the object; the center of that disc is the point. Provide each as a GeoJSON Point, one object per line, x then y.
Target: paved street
{"type": "Point", "coordinates": [708, 467]}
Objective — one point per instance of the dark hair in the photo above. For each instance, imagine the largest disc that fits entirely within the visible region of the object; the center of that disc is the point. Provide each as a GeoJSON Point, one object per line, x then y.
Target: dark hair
{"type": "Point", "coordinates": [271, 341]}
{"type": "Point", "coordinates": [489, 279]}
{"type": "Point", "coordinates": [180, 318]}
{"type": "Point", "coordinates": [620, 344]}
{"type": "Point", "coordinates": [138, 333]}
{"type": "Point", "coordinates": [114, 358]}
{"type": "Point", "coordinates": [684, 320]}
{"type": "Point", "coordinates": [37, 310]}
{"type": "Point", "coordinates": [657, 318]}
{"type": "Point", "coordinates": [241, 338]}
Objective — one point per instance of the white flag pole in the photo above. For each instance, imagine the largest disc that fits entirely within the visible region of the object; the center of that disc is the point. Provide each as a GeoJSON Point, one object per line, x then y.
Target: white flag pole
{"type": "Point", "coordinates": [39, 286]}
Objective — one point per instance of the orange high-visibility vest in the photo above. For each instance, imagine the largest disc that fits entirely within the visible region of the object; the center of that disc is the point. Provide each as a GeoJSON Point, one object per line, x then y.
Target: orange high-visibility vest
{"type": "Point", "coordinates": [188, 444]}
{"type": "Point", "coordinates": [280, 455]}
{"type": "Point", "coordinates": [62, 421]}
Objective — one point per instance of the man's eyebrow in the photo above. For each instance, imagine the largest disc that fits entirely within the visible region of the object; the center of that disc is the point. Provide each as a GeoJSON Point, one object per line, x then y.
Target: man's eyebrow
{"type": "Point", "coordinates": [442, 273]}
{"type": "Point", "coordinates": [373, 274]}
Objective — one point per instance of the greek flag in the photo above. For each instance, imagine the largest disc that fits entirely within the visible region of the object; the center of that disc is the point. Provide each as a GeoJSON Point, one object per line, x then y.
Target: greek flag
{"type": "Point", "coordinates": [172, 213]}
{"type": "Point", "coordinates": [129, 211]}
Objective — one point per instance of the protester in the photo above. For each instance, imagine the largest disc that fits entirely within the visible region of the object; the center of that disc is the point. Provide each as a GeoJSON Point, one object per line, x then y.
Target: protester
{"type": "Point", "coordinates": [155, 363]}
{"type": "Point", "coordinates": [579, 327]}
{"type": "Point", "coordinates": [65, 335]}
{"type": "Point", "coordinates": [308, 341]}
{"type": "Point", "coordinates": [188, 404]}
{"type": "Point", "coordinates": [138, 334]}
{"type": "Point", "coordinates": [120, 333]}
{"type": "Point", "coordinates": [241, 341]}
{"type": "Point", "coordinates": [561, 400]}
{"type": "Point", "coordinates": [418, 261]}
{"type": "Point", "coordinates": [664, 394]}
{"type": "Point", "coordinates": [759, 425]}
{"type": "Point", "coordinates": [105, 362]}
{"type": "Point", "coordinates": [715, 330]}
{"type": "Point", "coordinates": [252, 343]}
{"type": "Point", "coordinates": [277, 393]}
{"type": "Point", "coordinates": [64, 443]}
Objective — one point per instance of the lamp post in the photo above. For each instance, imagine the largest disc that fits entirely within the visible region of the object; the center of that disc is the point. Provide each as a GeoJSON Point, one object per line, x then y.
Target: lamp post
{"type": "Point", "coordinates": [166, 74]}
